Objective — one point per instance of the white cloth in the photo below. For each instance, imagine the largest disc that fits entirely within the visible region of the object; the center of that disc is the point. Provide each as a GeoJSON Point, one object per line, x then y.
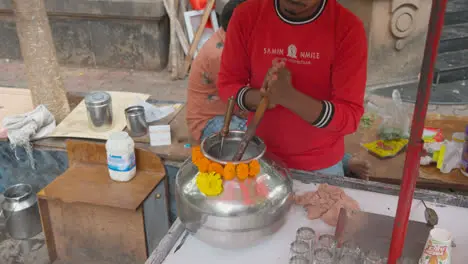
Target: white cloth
{"type": "Point", "coordinates": [25, 127]}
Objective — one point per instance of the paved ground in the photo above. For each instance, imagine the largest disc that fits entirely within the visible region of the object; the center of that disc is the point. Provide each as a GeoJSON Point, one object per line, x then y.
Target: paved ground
{"type": "Point", "coordinates": [158, 84]}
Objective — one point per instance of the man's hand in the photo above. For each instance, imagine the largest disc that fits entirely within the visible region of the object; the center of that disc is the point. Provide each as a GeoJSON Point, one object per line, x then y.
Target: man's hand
{"type": "Point", "coordinates": [253, 96]}
{"type": "Point", "coordinates": [279, 88]}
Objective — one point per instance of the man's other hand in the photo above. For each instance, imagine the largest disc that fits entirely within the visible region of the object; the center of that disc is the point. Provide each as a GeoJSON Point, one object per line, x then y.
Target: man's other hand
{"type": "Point", "coordinates": [279, 87]}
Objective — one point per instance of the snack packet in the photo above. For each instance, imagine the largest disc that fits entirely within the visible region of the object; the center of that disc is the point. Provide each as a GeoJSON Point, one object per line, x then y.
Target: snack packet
{"type": "Point", "coordinates": [386, 148]}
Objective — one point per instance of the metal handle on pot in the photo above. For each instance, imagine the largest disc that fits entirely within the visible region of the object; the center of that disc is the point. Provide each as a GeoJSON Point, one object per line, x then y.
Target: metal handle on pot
{"type": "Point", "coordinates": [7, 218]}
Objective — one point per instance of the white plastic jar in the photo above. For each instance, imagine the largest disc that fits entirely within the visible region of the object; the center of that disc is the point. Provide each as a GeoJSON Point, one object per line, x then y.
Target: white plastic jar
{"type": "Point", "coordinates": [121, 156]}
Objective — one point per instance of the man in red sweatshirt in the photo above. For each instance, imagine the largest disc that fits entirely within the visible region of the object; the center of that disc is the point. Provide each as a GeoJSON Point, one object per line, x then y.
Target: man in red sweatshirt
{"type": "Point", "coordinates": [317, 97]}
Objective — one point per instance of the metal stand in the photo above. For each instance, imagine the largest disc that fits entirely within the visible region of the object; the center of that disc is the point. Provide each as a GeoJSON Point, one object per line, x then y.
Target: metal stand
{"type": "Point", "coordinates": [411, 168]}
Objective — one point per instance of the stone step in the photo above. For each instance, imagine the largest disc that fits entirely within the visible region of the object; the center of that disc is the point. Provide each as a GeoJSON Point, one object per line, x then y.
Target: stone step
{"type": "Point", "coordinates": [454, 38]}
{"type": "Point", "coordinates": [451, 66]}
{"type": "Point", "coordinates": [456, 12]}
{"type": "Point", "coordinates": [457, 5]}
{"type": "Point", "coordinates": [453, 93]}
{"type": "Point", "coordinates": [452, 18]}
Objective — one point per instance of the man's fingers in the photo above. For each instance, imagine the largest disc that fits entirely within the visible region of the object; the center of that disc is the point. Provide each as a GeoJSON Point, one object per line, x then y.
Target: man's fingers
{"type": "Point", "coordinates": [279, 62]}
{"type": "Point", "coordinates": [272, 71]}
{"type": "Point", "coordinates": [274, 77]}
{"type": "Point", "coordinates": [265, 80]}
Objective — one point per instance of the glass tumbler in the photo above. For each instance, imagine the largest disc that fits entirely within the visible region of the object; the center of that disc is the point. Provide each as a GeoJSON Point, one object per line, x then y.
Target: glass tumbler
{"type": "Point", "coordinates": [326, 241]}
{"type": "Point", "coordinates": [300, 249]}
{"type": "Point", "coordinates": [349, 247]}
{"type": "Point", "coordinates": [307, 235]}
{"type": "Point", "coordinates": [298, 260]}
{"type": "Point", "coordinates": [372, 257]}
{"type": "Point", "coordinates": [323, 256]}
{"type": "Point", "coordinates": [349, 258]}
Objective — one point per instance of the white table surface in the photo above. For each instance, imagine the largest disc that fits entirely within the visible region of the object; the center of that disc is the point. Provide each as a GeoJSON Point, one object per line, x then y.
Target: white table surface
{"type": "Point", "coordinates": [275, 250]}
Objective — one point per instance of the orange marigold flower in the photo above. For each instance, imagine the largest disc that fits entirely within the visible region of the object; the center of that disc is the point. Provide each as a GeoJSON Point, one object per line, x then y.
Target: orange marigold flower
{"type": "Point", "coordinates": [216, 167]}
{"type": "Point", "coordinates": [242, 171]}
{"type": "Point", "coordinates": [254, 168]}
{"type": "Point", "coordinates": [203, 164]}
{"type": "Point", "coordinates": [229, 172]}
{"type": "Point", "coordinates": [196, 154]}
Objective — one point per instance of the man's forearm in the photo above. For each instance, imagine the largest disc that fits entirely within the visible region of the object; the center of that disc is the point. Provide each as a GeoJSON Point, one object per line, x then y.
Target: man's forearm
{"type": "Point", "coordinates": [248, 98]}
{"type": "Point", "coordinates": [304, 106]}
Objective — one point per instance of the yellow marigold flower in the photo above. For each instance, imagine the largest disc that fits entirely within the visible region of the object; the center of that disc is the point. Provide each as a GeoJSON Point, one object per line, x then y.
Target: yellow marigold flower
{"type": "Point", "coordinates": [210, 184]}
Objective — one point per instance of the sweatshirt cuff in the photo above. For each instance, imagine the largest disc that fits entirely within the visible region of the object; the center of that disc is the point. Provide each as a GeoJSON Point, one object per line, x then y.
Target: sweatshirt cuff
{"type": "Point", "coordinates": [241, 99]}
{"type": "Point", "coordinates": [326, 115]}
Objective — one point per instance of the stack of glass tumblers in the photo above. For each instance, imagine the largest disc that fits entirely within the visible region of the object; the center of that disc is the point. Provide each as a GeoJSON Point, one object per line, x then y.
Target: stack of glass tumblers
{"type": "Point", "coordinates": [308, 249]}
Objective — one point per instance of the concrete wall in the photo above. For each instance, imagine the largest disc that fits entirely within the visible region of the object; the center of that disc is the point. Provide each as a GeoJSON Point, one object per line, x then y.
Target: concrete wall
{"type": "Point", "coordinates": [135, 34]}
{"type": "Point", "coordinates": [396, 31]}
{"type": "Point", "coordinates": [111, 33]}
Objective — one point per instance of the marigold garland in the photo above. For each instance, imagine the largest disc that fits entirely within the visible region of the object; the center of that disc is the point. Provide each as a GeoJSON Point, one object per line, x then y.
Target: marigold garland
{"type": "Point", "coordinates": [254, 168]}
{"type": "Point", "coordinates": [203, 164]}
{"type": "Point", "coordinates": [216, 167]}
{"type": "Point", "coordinates": [196, 154]}
{"type": "Point", "coordinates": [227, 172]}
{"type": "Point", "coordinates": [242, 171]}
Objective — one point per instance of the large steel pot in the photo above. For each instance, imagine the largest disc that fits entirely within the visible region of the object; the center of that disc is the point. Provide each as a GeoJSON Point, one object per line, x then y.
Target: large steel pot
{"type": "Point", "coordinates": [246, 212]}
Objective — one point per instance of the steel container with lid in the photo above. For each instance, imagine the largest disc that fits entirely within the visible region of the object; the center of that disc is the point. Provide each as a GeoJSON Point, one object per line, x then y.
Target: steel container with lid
{"type": "Point", "coordinates": [246, 211]}
{"type": "Point", "coordinates": [21, 211]}
{"type": "Point", "coordinates": [136, 121]}
{"type": "Point", "coordinates": [99, 110]}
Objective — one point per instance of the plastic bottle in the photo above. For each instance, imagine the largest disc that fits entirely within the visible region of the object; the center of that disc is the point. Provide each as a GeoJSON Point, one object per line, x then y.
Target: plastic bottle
{"type": "Point", "coordinates": [464, 159]}
{"type": "Point", "coordinates": [121, 156]}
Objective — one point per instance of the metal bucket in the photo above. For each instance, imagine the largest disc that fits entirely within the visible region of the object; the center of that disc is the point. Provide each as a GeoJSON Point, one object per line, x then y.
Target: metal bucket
{"type": "Point", "coordinates": [21, 212]}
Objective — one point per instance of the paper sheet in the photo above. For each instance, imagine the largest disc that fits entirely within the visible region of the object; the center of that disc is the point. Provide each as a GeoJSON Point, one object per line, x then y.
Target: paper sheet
{"type": "Point", "coordinates": [155, 113]}
{"type": "Point", "coordinates": [75, 124]}
{"type": "Point", "coordinates": [160, 135]}
{"type": "Point", "coordinates": [14, 101]}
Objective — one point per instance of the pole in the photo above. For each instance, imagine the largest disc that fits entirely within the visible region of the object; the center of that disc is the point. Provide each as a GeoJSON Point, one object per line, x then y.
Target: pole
{"type": "Point", "coordinates": [411, 168]}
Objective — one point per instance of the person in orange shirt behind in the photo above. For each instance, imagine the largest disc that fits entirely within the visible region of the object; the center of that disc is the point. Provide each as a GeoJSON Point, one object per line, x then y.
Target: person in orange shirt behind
{"type": "Point", "coordinates": [205, 110]}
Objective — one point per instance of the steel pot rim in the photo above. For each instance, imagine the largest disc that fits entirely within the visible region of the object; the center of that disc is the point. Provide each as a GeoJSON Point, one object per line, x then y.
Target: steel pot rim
{"type": "Point", "coordinates": [28, 192]}
{"type": "Point", "coordinates": [224, 162]}
{"type": "Point", "coordinates": [104, 100]}
{"type": "Point", "coordinates": [135, 110]}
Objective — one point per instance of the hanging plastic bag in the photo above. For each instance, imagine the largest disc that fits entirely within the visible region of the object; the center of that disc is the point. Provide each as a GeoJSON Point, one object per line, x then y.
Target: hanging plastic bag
{"type": "Point", "coordinates": [396, 119]}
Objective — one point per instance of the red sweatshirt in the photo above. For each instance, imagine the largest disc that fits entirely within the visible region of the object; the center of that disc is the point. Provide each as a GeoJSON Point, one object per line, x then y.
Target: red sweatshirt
{"type": "Point", "coordinates": [327, 57]}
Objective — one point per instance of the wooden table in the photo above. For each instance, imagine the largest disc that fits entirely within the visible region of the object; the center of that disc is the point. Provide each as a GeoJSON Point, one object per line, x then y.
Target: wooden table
{"type": "Point", "coordinates": [89, 218]}
{"type": "Point", "coordinates": [388, 171]}
{"type": "Point", "coordinates": [275, 249]}
{"type": "Point", "coordinates": [391, 170]}
{"type": "Point", "coordinates": [174, 152]}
